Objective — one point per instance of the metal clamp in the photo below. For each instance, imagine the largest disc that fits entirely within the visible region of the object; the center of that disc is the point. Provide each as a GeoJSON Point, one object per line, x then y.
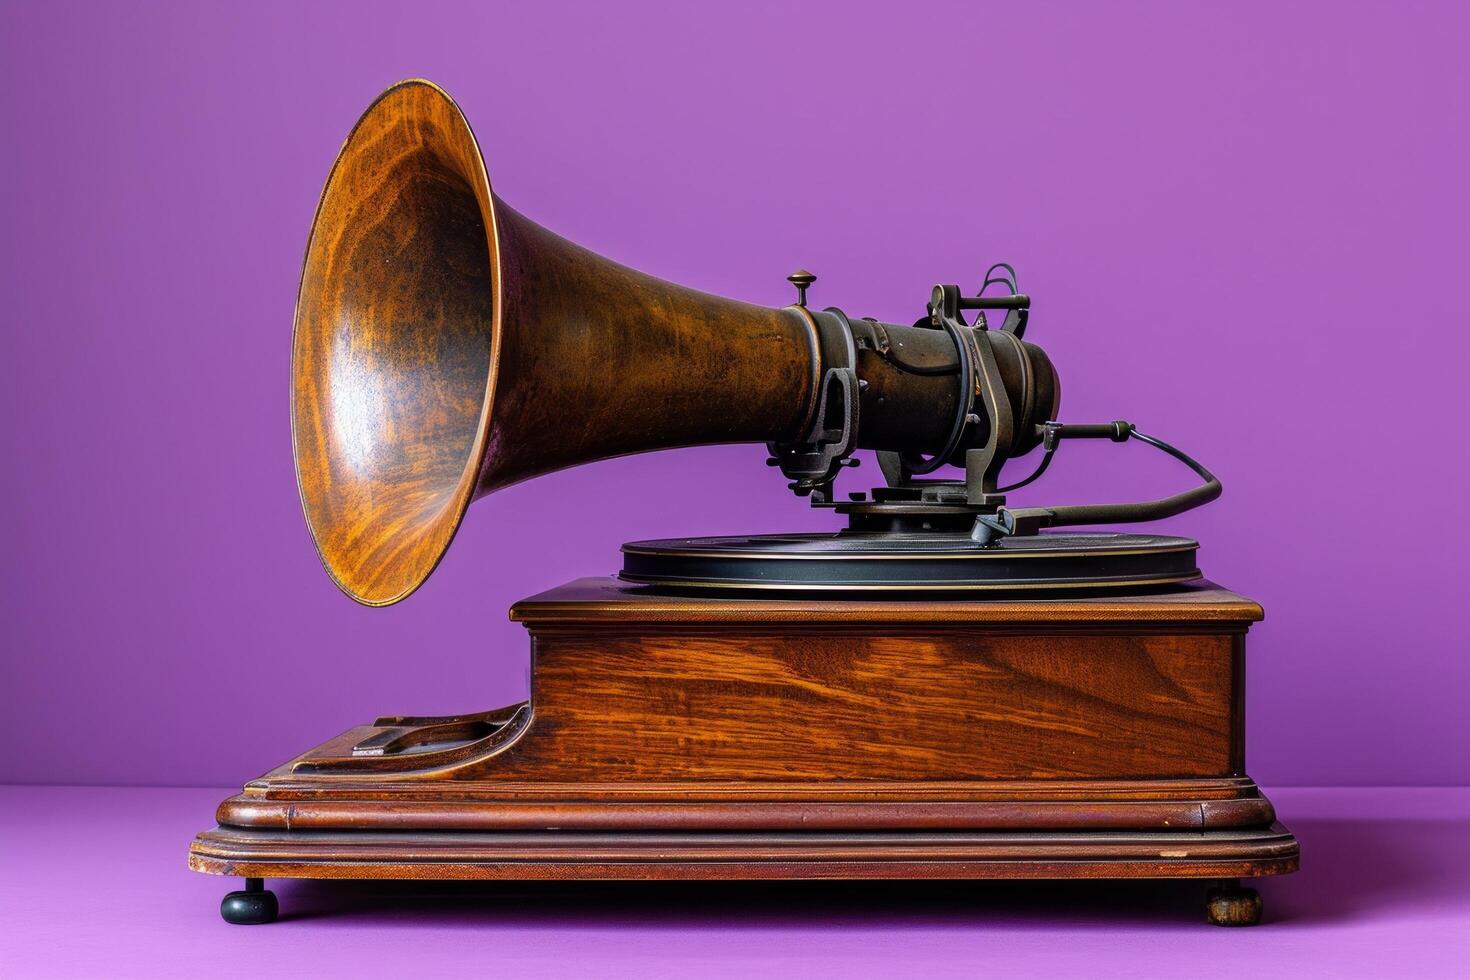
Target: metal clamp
{"type": "Point", "coordinates": [979, 379]}
{"type": "Point", "coordinates": [813, 461]}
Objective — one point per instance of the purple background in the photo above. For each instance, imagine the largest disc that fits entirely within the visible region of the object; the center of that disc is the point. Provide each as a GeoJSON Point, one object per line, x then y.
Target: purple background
{"type": "Point", "coordinates": [1246, 227]}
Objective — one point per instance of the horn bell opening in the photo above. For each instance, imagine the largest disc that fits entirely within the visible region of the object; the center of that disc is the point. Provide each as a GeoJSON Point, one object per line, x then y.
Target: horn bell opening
{"type": "Point", "coordinates": [396, 339]}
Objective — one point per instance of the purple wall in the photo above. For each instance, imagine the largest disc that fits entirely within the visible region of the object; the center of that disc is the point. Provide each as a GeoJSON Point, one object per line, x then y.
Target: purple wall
{"type": "Point", "coordinates": [1247, 229]}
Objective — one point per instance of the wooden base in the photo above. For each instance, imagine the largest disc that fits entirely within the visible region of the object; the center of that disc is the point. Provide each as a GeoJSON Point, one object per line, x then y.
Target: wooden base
{"type": "Point", "coordinates": [640, 856]}
{"type": "Point", "coordinates": [685, 738]}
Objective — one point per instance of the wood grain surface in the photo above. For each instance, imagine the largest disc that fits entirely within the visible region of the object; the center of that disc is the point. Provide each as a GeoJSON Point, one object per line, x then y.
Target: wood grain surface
{"type": "Point", "coordinates": [605, 600]}
{"type": "Point", "coordinates": [446, 346]}
{"type": "Point", "coordinates": [1212, 854]}
{"type": "Point", "coordinates": [1096, 736]}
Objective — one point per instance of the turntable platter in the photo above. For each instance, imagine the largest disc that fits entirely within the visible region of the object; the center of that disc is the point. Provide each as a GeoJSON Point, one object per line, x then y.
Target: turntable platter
{"type": "Point", "coordinates": [919, 561]}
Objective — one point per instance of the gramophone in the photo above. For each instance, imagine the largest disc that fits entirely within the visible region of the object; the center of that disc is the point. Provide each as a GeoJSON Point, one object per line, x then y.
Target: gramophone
{"type": "Point", "coordinates": [946, 688]}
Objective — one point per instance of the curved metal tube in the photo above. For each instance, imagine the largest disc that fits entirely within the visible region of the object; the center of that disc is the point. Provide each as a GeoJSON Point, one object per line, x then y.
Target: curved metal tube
{"type": "Point", "coordinates": [1028, 520]}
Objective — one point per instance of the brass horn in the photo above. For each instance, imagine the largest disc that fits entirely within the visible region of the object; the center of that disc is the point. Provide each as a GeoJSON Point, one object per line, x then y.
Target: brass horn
{"type": "Point", "coordinates": [445, 346]}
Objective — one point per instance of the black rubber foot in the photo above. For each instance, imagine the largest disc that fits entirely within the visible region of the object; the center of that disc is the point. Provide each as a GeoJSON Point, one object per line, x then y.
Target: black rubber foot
{"type": "Point", "coordinates": [255, 906]}
{"type": "Point", "coordinates": [1233, 905]}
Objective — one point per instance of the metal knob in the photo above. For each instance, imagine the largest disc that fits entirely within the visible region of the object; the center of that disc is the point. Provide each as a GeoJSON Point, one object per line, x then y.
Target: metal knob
{"type": "Point", "coordinates": [801, 279]}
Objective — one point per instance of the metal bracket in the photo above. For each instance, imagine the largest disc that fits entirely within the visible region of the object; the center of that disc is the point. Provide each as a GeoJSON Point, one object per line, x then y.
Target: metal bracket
{"type": "Point", "coordinates": [980, 380]}
{"type": "Point", "coordinates": [813, 461]}
{"type": "Point", "coordinates": [983, 465]}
